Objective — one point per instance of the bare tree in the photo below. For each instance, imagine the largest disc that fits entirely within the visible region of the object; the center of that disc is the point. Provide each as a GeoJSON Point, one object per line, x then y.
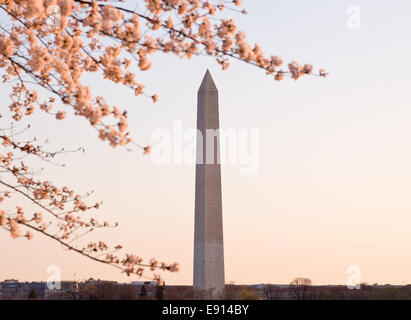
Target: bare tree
{"type": "Point", "coordinates": [272, 292]}
{"type": "Point", "coordinates": [75, 290]}
{"type": "Point", "coordinates": [301, 288]}
{"type": "Point", "coordinates": [231, 292]}
{"type": "Point", "coordinates": [127, 292]}
{"type": "Point", "coordinates": [102, 290]}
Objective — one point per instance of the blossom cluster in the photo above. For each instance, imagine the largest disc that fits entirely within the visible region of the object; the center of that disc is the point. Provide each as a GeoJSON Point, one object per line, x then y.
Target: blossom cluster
{"type": "Point", "coordinates": [97, 36]}
{"type": "Point", "coordinates": [62, 214]}
{"type": "Point", "coordinates": [53, 44]}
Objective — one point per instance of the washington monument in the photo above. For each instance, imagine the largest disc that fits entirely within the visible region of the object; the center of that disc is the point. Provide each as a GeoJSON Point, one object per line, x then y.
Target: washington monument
{"type": "Point", "coordinates": [208, 230]}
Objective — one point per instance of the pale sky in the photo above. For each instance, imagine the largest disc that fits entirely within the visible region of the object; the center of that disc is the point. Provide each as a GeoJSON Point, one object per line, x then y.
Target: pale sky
{"type": "Point", "coordinates": [334, 183]}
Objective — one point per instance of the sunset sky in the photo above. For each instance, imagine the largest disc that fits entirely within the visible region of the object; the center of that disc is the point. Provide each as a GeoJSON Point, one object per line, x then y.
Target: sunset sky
{"type": "Point", "coordinates": [334, 181]}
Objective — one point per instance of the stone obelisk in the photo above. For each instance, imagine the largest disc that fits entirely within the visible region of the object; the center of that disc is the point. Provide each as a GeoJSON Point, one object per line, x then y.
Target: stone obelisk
{"type": "Point", "coordinates": [208, 232]}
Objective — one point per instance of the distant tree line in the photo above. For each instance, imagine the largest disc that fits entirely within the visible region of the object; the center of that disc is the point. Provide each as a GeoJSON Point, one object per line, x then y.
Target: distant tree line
{"type": "Point", "coordinates": [298, 289]}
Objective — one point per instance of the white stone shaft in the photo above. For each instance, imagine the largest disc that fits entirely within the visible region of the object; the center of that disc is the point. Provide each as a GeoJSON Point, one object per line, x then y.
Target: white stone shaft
{"type": "Point", "coordinates": [208, 233]}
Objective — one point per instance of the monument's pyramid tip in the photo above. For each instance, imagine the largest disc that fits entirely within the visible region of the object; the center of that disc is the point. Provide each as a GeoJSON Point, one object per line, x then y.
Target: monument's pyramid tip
{"type": "Point", "coordinates": [208, 83]}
